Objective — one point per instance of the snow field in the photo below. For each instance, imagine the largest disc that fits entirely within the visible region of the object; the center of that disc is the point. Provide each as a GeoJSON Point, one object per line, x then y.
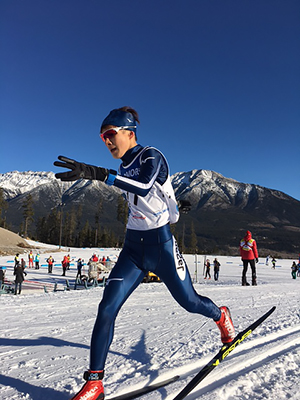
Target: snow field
{"type": "Point", "coordinates": [45, 337]}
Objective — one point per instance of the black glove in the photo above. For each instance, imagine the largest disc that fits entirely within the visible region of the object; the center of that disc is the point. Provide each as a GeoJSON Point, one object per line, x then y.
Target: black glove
{"type": "Point", "coordinates": [184, 206]}
{"type": "Point", "coordinates": [256, 260]}
{"type": "Point", "coordinates": [79, 170]}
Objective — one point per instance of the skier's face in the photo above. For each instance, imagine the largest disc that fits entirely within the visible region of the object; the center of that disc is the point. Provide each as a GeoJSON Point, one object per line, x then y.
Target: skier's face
{"type": "Point", "coordinates": [119, 143]}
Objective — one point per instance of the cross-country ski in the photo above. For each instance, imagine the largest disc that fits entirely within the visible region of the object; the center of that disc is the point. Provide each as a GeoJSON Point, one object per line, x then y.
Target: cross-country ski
{"type": "Point", "coordinates": [209, 367]}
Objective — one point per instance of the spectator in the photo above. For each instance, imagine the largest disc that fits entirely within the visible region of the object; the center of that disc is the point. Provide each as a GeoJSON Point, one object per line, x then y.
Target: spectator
{"type": "Point", "coordinates": [216, 269]}
{"type": "Point", "coordinates": [19, 273]}
{"type": "Point", "coordinates": [30, 259]}
{"type": "Point", "coordinates": [37, 261]}
{"type": "Point", "coordinates": [17, 260]}
{"type": "Point", "coordinates": [79, 267]}
{"type": "Point", "coordinates": [2, 274]}
{"type": "Point", "coordinates": [207, 271]}
{"type": "Point", "coordinates": [249, 254]}
{"type": "Point", "coordinates": [294, 270]}
{"type": "Point", "coordinates": [95, 258]}
{"type": "Point", "coordinates": [68, 261]}
{"type": "Point", "coordinates": [50, 262]}
{"type": "Point", "coordinates": [64, 264]}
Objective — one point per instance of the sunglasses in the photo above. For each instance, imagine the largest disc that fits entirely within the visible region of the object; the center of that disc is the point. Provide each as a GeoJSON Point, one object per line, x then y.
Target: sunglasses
{"type": "Point", "coordinates": [111, 132]}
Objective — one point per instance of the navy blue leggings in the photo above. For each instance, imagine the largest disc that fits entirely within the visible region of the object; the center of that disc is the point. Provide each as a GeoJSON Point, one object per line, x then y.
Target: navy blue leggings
{"type": "Point", "coordinates": [156, 251]}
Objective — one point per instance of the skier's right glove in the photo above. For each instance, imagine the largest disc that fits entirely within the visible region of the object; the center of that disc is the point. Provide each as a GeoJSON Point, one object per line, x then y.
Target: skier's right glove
{"type": "Point", "coordinates": [256, 260]}
{"type": "Point", "coordinates": [81, 171]}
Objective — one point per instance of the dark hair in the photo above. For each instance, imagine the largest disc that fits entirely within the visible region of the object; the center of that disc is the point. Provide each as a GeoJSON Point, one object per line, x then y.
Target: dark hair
{"type": "Point", "coordinates": [132, 111]}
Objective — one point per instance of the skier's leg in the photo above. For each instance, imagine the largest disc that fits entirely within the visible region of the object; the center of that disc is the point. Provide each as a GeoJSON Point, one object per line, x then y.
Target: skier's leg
{"type": "Point", "coordinates": [122, 281]}
{"type": "Point", "coordinates": [245, 267]}
{"type": "Point", "coordinates": [253, 269]}
{"type": "Point", "coordinates": [173, 271]}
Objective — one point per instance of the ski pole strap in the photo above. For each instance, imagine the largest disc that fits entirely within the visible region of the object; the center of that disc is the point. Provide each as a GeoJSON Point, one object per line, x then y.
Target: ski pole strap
{"type": "Point", "coordinates": [93, 375]}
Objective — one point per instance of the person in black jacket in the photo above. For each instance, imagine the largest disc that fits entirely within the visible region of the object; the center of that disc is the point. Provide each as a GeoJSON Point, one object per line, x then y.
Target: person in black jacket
{"type": "Point", "coordinates": [216, 269]}
{"type": "Point", "coordinates": [19, 273]}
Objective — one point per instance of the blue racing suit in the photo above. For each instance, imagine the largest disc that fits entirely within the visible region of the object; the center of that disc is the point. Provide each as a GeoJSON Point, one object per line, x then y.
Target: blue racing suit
{"type": "Point", "coordinates": [149, 246]}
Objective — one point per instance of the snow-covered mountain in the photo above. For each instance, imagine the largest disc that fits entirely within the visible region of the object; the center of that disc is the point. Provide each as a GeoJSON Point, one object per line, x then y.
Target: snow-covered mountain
{"type": "Point", "coordinates": [222, 208]}
{"type": "Point", "coordinates": [200, 186]}
{"type": "Point", "coordinates": [197, 185]}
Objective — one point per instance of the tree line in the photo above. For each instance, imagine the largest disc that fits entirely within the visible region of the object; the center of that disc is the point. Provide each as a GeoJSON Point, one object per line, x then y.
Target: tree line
{"type": "Point", "coordinates": [65, 228]}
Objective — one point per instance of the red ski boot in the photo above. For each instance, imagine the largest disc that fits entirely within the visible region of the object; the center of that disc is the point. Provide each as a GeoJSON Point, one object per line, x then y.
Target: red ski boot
{"type": "Point", "coordinates": [226, 326]}
{"type": "Point", "coordinates": [93, 388]}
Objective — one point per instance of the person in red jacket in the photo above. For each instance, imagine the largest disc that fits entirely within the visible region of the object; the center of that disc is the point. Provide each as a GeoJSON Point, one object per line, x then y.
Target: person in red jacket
{"type": "Point", "coordinates": [249, 254]}
{"type": "Point", "coordinates": [64, 264]}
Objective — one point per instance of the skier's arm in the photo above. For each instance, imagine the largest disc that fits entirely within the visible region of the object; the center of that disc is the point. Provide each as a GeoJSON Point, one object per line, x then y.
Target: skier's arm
{"type": "Point", "coordinates": [80, 170]}
{"type": "Point", "coordinates": [255, 251]}
{"type": "Point", "coordinates": [150, 169]}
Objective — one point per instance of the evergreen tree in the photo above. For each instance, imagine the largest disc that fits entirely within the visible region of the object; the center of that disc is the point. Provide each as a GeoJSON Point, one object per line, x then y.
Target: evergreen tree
{"type": "Point", "coordinates": [105, 239]}
{"type": "Point", "coordinates": [85, 235]}
{"type": "Point", "coordinates": [3, 208]}
{"type": "Point", "coordinates": [51, 226]}
{"type": "Point", "coordinates": [193, 240]}
{"type": "Point", "coordinates": [69, 225]}
{"type": "Point", "coordinates": [122, 210]}
{"type": "Point", "coordinates": [97, 222]}
{"type": "Point", "coordinates": [78, 216]}
{"type": "Point", "coordinates": [41, 230]}
{"type": "Point", "coordinates": [28, 212]}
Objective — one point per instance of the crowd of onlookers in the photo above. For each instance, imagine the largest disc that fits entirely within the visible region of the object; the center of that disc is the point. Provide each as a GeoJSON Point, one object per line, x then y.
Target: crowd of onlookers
{"type": "Point", "coordinates": [95, 266]}
{"type": "Point", "coordinates": [34, 262]}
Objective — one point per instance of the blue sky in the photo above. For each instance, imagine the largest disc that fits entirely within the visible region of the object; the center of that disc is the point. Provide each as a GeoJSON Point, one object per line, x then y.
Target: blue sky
{"type": "Point", "coordinates": [216, 83]}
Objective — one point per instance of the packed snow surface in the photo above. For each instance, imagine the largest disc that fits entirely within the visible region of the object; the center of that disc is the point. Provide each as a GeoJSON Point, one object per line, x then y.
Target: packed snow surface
{"type": "Point", "coordinates": [45, 337]}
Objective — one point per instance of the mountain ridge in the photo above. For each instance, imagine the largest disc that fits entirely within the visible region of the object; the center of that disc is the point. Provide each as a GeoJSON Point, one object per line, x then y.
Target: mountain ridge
{"type": "Point", "coordinates": [220, 207]}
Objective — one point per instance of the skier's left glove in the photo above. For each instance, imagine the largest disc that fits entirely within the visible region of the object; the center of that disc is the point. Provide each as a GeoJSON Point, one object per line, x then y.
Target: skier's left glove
{"type": "Point", "coordinates": [184, 206]}
{"type": "Point", "coordinates": [81, 171]}
{"type": "Point", "coordinates": [256, 260]}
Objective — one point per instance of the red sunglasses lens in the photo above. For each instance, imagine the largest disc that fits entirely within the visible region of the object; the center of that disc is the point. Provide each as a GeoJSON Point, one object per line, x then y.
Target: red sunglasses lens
{"type": "Point", "coordinates": [108, 134]}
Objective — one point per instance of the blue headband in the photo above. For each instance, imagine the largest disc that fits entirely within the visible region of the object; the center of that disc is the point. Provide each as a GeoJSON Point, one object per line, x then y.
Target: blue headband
{"type": "Point", "coordinates": [120, 118]}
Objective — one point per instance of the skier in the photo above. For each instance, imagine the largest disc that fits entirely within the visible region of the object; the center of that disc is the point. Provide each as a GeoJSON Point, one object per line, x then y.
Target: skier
{"type": "Point", "coordinates": [249, 254]}
{"type": "Point", "coordinates": [149, 244]}
{"type": "Point", "coordinates": [273, 263]}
